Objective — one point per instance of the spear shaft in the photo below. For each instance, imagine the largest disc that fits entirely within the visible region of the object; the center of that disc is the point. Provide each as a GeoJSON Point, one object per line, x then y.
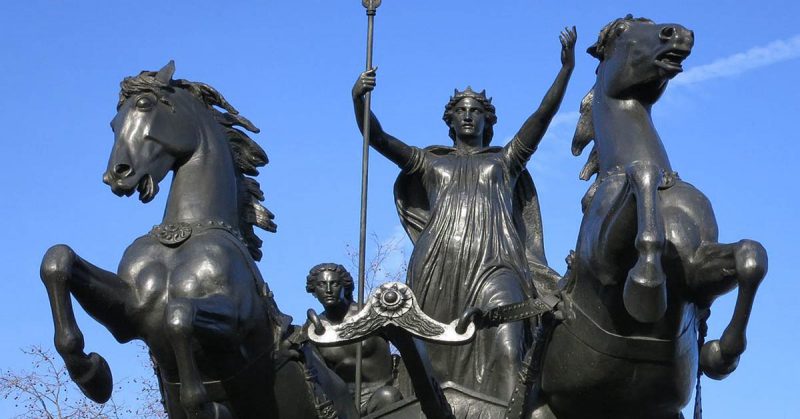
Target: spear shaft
{"type": "Point", "coordinates": [371, 6]}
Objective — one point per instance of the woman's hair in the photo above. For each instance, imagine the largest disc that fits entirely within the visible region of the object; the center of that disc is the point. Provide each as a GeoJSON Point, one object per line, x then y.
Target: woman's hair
{"type": "Point", "coordinates": [347, 280]}
{"type": "Point", "coordinates": [491, 117]}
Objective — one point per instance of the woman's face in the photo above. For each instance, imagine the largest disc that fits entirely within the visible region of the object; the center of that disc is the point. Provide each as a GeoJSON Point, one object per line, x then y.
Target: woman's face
{"type": "Point", "coordinates": [468, 121]}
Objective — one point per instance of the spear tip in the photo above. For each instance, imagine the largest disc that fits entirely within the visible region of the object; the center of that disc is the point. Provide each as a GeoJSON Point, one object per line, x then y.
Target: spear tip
{"type": "Point", "coordinates": [371, 5]}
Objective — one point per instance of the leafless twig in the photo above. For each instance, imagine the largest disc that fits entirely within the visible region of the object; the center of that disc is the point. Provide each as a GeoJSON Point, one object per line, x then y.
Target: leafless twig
{"type": "Point", "coordinates": [47, 392]}
{"type": "Point", "coordinates": [375, 266]}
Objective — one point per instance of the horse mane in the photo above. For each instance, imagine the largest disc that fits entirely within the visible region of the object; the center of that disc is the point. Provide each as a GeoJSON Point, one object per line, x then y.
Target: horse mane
{"type": "Point", "coordinates": [584, 131]}
{"type": "Point", "coordinates": [248, 156]}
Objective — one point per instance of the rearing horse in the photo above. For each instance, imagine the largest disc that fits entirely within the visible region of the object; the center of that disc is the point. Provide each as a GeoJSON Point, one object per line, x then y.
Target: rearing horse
{"type": "Point", "coordinates": [647, 264]}
{"type": "Point", "coordinates": [190, 288]}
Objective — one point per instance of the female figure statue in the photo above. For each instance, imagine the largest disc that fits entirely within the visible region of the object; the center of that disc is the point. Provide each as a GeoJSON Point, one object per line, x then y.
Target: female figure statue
{"type": "Point", "coordinates": [471, 211]}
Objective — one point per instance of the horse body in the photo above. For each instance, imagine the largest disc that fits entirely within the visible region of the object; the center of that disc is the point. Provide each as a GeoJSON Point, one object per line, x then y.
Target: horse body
{"type": "Point", "coordinates": [647, 264]}
{"type": "Point", "coordinates": [190, 288]}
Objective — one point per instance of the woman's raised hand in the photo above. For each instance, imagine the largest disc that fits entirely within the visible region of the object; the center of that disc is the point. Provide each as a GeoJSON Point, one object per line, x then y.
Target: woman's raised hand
{"type": "Point", "coordinates": [365, 83]}
{"type": "Point", "coordinates": [568, 37]}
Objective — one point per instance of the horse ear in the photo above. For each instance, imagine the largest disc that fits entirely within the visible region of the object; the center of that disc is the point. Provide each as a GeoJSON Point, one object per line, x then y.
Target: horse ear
{"type": "Point", "coordinates": [165, 74]}
{"type": "Point", "coordinates": [584, 131]}
{"type": "Point", "coordinates": [593, 51]}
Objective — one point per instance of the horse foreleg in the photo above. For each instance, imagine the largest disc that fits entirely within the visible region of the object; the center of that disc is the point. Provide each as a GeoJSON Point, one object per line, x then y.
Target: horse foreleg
{"type": "Point", "coordinates": [183, 317]}
{"type": "Point", "coordinates": [645, 292]}
{"type": "Point", "coordinates": [101, 294]}
{"type": "Point", "coordinates": [745, 263]}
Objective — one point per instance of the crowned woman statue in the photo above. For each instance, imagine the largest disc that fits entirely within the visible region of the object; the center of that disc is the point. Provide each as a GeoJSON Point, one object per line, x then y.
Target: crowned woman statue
{"type": "Point", "coordinates": [472, 212]}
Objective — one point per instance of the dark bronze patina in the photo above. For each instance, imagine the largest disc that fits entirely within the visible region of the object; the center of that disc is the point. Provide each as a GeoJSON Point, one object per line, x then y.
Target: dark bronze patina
{"type": "Point", "coordinates": [472, 212]}
{"type": "Point", "coordinates": [392, 311]}
{"type": "Point", "coordinates": [190, 288]}
{"type": "Point", "coordinates": [647, 264]}
{"type": "Point", "coordinates": [621, 335]}
{"type": "Point", "coordinates": [333, 286]}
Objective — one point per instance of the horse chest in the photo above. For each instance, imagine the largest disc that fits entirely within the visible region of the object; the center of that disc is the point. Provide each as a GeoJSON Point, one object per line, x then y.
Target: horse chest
{"type": "Point", "coordinates": [157, 271]}
{"type": "Point", "coordinates": [625, 134]}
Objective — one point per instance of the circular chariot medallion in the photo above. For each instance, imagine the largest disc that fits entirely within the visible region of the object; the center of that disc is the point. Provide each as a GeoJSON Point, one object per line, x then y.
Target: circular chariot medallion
{"type": "Point", "coordinates": [392, 300]}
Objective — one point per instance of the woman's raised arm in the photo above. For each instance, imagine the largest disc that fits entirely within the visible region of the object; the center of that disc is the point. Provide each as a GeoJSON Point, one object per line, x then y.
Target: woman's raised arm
{"type": "Point", "coordinates": [392, 148]}
{"type": "Point", "coordinates": [535, 126]}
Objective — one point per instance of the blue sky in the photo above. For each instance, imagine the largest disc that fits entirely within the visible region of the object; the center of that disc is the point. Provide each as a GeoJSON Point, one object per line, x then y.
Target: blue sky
{"type": "Point", "coordinates": [288, 66]}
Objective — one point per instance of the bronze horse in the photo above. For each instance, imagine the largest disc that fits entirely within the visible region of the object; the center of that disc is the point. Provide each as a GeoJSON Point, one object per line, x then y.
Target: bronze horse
{"type": "Point", "coordinates": [647, 264]}
{"type": "Point", "coordinates": [190, 288]}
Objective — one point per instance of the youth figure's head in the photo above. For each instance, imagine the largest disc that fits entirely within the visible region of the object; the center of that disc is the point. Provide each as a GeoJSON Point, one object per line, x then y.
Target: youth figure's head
{"type": "Point", "coordinates": [331, 284]}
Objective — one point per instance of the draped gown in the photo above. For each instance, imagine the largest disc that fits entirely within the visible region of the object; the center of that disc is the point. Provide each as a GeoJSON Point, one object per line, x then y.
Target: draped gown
{"type": "Point", "coordinates": [462, 210]}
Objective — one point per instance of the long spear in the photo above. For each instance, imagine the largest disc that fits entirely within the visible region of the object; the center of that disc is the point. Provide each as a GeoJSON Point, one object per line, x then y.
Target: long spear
{"type": "Point", "coordinates": [371, 6]}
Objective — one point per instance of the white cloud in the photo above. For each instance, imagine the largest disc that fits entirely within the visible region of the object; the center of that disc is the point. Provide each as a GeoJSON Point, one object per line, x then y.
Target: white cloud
{"type": "Point", "coordinates": [774, 52]}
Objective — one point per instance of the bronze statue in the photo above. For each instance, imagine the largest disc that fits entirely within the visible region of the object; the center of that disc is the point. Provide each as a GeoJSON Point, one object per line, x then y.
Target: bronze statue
{"type": "Point", "coordinates": [647, 264]}
{"type": "Point", "coordinates": [190, 287]}
{"type": "Point", "coordinates": [621, 335]}
{"type": "Point", "coordinates": [472, 212]}
{"type": "Point", "coordinates": [333, 286]}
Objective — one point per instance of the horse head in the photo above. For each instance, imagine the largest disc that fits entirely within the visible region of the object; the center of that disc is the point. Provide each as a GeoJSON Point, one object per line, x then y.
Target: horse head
{"type": "Point", "coordinates": [164, 124]}
{"type": "Point", "coordinates": [638, 57]}
{"type": "Point", "coordinates": [151, 132]}
{"type": "Point", "coordinates": [160, 124]}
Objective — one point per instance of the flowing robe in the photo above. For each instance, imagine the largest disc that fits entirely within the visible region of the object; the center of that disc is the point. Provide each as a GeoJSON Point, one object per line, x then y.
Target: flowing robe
{"type": "Point", "coordinates": [475, 223]}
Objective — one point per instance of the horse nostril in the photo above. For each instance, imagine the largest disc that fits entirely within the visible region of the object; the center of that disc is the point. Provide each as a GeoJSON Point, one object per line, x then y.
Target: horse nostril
{"type": "Point", "coordinates": [123, 170]}
{"type": "Point", "coordinates": [667, 33]}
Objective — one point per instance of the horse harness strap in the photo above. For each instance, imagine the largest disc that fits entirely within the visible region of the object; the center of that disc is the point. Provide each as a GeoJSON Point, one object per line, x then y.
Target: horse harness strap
{"type": "Point", "coordinates": [216, 388]}
{"type": "Point", "coordinates": [174, 234]}
{"type": "Point", "coordinates": [668, 179]}
{"type": "Point", "coordinates": [587, 331]}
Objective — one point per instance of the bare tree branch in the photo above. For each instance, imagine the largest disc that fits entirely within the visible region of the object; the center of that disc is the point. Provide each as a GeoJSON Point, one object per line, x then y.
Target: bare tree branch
{"type": "Point", "coordinates": [375, 266]}
{"type": "Point", "coordinates": [46, 391]}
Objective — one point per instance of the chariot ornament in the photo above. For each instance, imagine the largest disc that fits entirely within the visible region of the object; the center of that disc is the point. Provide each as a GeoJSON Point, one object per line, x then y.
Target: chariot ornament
{"type": "Point", "coordinates": [392, 304]}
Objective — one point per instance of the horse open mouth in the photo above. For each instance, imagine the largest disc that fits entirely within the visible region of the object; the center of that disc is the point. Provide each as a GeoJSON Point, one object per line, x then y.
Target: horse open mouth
{"type": "Point", "coordinates": [671, 60]}
{"type": "Point", "coordinates": [147, 189]}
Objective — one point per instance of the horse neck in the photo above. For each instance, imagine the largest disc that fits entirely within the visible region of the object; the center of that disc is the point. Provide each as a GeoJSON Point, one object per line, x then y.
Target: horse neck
{"type": "Point", "coordinates": [624, 133]}
{"type": "Point", "coordinates": [205, 186]}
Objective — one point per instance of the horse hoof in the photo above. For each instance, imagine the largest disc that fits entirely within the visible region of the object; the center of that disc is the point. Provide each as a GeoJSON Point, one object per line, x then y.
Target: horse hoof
{"type": "Point", "coordinates": [714, 363]}
{"type": "Point", "coordinates": [644, 298]}
{"type": "Point", "coordinates": [93, 376]}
